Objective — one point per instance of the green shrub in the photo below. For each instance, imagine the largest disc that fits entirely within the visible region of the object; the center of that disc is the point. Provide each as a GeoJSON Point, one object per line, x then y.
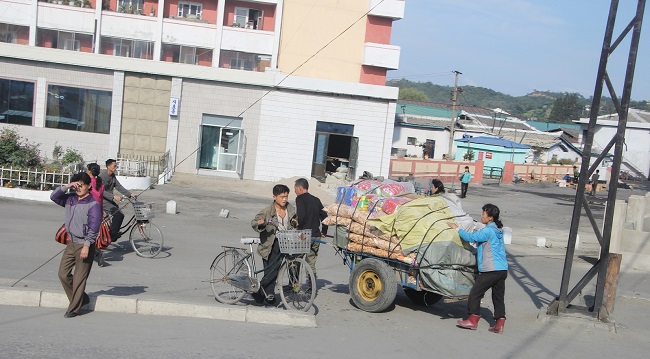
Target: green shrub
{"type": "Point", "coordinates": [71, 156]}
{"type": "Point", "coordinates": [16, 152]}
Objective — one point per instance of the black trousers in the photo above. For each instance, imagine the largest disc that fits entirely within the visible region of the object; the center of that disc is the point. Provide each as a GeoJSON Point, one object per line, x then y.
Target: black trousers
{"type": "Point", "coordinates": [116, 222]}
{"type": "Point", "coordinates": [484, 281]}
{"type": "Point", "coordinates": [463, 189]}
{"type": "Point", "coordinates": [271, 270]}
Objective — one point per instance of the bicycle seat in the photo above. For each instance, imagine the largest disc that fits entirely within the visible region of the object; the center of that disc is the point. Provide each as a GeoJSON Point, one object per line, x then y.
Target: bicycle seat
{"type": "Point", "coordinates": [250, 240]}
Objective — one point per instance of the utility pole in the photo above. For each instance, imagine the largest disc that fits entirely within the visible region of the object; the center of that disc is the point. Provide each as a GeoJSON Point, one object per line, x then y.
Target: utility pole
{"type": "Point", "coordinates": [450, 153]}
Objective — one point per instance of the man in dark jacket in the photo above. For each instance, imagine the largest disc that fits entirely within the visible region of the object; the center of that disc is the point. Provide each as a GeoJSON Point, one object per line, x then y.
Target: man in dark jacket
{"type": "Point", "coordinates": [110, 199]}
{"type": "Point", "coordinates": [310, 214]}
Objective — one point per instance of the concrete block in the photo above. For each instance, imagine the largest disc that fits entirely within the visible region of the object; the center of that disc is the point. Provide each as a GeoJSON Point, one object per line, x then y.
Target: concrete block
{"type": "Point", "coordinates": [150, 307]}
{"type": "Point", "coordinates": [507, 235]}
{"type": "Point", "coordinates": [281, 317]}
{"type": "Point", "coordinates": [541, 242]}
{"type": "Point", "coordinates": [20, 296]}
{"type": "Point", "coordinates": [51, 299]}
{"type": "Point", "coordinates": [171, 207]}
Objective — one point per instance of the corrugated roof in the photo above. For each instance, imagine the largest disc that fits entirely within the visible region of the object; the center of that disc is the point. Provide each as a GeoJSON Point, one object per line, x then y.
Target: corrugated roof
{"type": "Point", "coordinates": [493, 141]}
{"type": "Point", "coordinates": [550, 126]}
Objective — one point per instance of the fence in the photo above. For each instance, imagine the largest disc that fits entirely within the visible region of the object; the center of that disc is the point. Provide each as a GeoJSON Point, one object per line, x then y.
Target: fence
{"type": "Point", "coordinates": [158, 167]}
{"type": "Point", "coordinates": [492, 175]}
{"type": "Point", "coordinates": [41, 179]}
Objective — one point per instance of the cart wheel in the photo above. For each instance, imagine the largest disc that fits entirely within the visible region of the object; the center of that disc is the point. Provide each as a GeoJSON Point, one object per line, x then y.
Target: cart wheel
{"type": "Point", "coordinates": [373, 285]}
{"type": "Point", "coordinates": [422, 297]}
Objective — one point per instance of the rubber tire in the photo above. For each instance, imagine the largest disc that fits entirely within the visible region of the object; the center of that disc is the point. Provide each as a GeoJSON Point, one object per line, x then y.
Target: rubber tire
{"type": "Point", "coordinates": [223, 265]}
{"type": "Point", "coordinates": [155, 236]}
{"type": "Point", "coordinates": [422, 297]}
{"type": "Point", "coordinates": [296, 297]}
{"type": "Point", "coordinates": [373, 285]}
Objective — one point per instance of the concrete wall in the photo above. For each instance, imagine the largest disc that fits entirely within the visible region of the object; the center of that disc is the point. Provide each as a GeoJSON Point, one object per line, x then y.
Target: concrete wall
{"type": "Point", "coordinates": [631, 232]}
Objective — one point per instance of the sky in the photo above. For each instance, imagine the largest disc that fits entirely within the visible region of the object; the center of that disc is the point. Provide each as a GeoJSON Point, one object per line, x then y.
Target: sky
{"type": "Point", "coordinates": [518, 46]}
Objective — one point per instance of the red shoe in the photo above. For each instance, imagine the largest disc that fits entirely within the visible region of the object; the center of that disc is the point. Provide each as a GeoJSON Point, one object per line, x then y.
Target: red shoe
{"type": "Point", "coordinates": [470, 323]}
{"type": "Point", "coordinates": [498, 327]}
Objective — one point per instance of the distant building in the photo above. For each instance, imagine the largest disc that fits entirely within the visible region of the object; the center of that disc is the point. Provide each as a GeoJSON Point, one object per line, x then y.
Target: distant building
{"type": "Point", "coordinates": [226, 87]}
{"type": "Point", "coordinates": [636, 151]}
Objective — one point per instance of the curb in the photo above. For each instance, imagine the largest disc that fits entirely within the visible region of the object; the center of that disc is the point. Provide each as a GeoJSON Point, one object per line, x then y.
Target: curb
{"type": "Point", "coordinates": [28, 194]}
{"type": "Point", "coordinates": [116, 304]}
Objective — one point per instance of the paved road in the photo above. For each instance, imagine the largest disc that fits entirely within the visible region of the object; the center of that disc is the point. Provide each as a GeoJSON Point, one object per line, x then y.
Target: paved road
{"type": "Point", "coordinates": [194, 236]}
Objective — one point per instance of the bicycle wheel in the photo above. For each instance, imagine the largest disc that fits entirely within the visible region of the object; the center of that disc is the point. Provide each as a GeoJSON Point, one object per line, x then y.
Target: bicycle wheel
{"type": "Point", "coordinates": [228, 263]}
{"type": "Point", "coordinates": [295, 281]}
{"type": "Point", "coordinates": [146, 239]}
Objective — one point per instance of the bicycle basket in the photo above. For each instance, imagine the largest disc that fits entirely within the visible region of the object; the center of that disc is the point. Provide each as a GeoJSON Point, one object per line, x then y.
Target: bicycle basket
{"type": "Point", "coordinates": [294, 241]}
{"type": "Point", "coordinates": [143, 211]}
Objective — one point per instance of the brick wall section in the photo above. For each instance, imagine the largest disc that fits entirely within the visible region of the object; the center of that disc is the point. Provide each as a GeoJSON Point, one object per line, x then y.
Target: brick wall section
{"type": "Point", "coordinates": [424, 170]}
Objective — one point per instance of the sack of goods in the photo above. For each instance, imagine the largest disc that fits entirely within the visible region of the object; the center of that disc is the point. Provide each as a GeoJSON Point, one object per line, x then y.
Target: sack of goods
{"type": "Point", "coordinates": [385, 220]}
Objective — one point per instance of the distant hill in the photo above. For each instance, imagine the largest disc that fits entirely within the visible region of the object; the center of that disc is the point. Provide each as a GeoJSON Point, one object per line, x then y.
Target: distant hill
{"type": "Point", "coordinates": [536, 105]}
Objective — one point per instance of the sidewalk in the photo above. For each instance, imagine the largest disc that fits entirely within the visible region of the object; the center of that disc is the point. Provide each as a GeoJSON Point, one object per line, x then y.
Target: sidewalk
{"type": "Point", "coordinates": [176, 282]}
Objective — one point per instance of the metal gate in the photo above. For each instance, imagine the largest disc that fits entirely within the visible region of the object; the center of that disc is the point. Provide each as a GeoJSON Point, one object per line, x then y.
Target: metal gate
{"type": "Point", "coordinates": [492, 175]}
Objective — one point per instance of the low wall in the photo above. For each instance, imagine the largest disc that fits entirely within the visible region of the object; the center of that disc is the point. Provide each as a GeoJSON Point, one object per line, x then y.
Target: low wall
{"type": "Point", "coordinates": [425, 169]}
{"type": "Point", "coordinates": [529, 171]}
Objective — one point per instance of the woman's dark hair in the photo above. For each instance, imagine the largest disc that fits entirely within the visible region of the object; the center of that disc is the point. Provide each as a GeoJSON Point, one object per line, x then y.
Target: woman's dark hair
{"type": "Point", "coordinates": [493, 211]}
{"type": "Point", "coordinates": [279, 189]}
{"type": "Point", "coordinates": [81, 176]}
{"type": "Point", "coordinates": [95, 169]}
{"type": "Point", "coordinates": [440, 187]}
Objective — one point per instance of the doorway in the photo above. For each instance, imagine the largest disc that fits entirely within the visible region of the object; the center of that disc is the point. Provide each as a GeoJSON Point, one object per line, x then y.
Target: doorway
{"type": "Point", "coordinates": [334, 147]}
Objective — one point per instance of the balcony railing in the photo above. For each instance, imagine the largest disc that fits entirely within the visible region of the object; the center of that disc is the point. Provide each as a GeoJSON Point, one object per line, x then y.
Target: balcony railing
{"type": "Point", "coordinates": [247, 40]}
{"type": "Point", "coordinates": [381, 55]}
{"type": "Point", "coordinates": [68, 18]}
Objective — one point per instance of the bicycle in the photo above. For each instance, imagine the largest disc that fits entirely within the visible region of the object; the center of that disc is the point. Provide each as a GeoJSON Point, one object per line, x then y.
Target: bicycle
{"type": "Point", "coordinates": [233, 272]}
{"type": "Point", "coordinates": [145, 237]}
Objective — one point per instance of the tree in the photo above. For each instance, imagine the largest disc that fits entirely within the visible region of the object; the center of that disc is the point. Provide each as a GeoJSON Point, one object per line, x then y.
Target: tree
{"type": "Point", "coordinates": [469, 155]}
{"type": "Point", "coordinates": [413, 94]}
{"type": "Point", "coordinates": [566, 109]}
{"type": "Point", "coordinates": [14, 151]}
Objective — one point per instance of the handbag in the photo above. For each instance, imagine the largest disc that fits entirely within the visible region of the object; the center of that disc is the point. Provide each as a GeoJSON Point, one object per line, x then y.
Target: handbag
{"type": "Point", "coordinates": [102, 241]}
{"type": "Point", "coordinates": [62, 235]}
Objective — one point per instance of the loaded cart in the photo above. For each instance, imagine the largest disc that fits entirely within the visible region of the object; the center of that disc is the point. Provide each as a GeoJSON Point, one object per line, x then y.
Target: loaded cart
{"type": "Point", "coordinates": [397, 238]}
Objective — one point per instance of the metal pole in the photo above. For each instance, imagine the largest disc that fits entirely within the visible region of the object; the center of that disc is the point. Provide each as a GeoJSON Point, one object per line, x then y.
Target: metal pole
{"type": "Point", "coordinates": [450, 154]}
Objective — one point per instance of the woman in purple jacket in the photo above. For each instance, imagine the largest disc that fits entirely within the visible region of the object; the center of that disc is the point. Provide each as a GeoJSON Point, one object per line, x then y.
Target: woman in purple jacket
{"type": "Point", "coordinates": [82, 219]}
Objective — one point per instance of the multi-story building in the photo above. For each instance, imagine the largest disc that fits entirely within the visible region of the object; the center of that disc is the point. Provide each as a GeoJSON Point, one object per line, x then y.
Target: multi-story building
{"type": "Point", "coordinates": [257, 89]}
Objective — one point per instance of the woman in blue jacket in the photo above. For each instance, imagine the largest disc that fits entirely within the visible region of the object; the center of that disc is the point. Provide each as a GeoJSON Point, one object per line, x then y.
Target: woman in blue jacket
{"type": "Point", "coordinates": [492, 267]}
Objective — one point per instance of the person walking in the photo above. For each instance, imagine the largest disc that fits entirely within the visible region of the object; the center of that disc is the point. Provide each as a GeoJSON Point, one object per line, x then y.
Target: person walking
{"type": "Point", "coordinates": [465, 177]}
{"type": "Point", "coordinates": [310, 215]}
{"type": "Point", "coordinates": [280, 215]}
{"type": "Point", "coordinates": [492, 267]}
{"type": "Point", "coordinates": [82, 220]}
{"type": "Point", "coordinates": [594, 182]}
{"type": "Point", "coordinates": [110, 199]}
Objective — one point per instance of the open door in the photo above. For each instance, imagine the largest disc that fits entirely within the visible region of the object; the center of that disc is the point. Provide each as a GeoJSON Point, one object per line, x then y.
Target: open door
{"type": "Point", "coordinates": [354, 154]}
{"type": "Point", "coordinates": [320, 156]}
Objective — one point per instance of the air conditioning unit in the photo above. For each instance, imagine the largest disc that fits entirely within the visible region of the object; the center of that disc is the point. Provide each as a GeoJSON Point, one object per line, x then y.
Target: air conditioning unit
{"type": "Point", "coordinates": [70, 44]}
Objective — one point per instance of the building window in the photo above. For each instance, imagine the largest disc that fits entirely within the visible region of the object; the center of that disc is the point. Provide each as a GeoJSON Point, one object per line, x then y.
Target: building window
{"type": "Point", "coordinates": [412, 141]}
{"type": "Point", "coordinates": [248, 18]}
{"type": "Point", "coordinates": [190, 10]}
{"type": "Point", "coordinates": [65, 40]}
{"type": "Point", "coordinates": [78, 109]}
{"type": "Point", "coordinates": [130, 6]}
{"type": "Point", "coordinates": [244, 61]}
{"type": "Point", "coordinates": [186, 55]}
{"type": "Point", "coordinates": [16, 102]}
{"type": "Point", "coordinates": [222, 143]}
{"type": "Point", "coordinates": [127, 48]}
{"type": "Point", "coordinates": [14, 34]}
